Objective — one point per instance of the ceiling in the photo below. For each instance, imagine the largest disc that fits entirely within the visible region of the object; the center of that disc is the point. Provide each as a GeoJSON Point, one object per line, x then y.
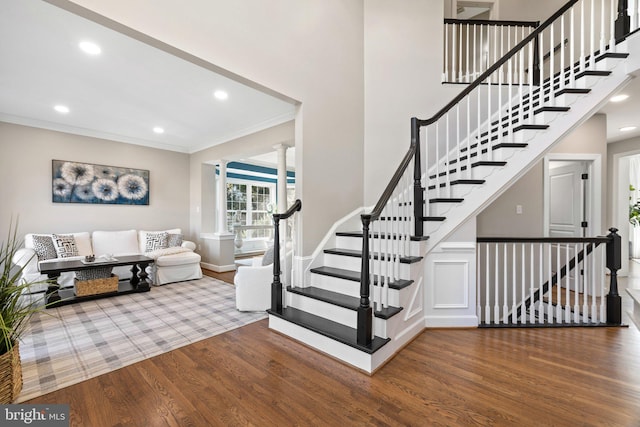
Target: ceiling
{"type": "Point", "coordinates": [132, 87]}
{"type": "Point", "coordinates": [123, 93]}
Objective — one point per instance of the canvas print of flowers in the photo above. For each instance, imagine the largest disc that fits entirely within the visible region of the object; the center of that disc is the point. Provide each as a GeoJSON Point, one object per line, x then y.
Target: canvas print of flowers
{"type": "Point", "coordinates": [75, 182]}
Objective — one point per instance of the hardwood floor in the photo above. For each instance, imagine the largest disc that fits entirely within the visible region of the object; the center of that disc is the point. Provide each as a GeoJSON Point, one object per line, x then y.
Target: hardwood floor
{"type": "Point", "coordinates": [253, 376]}
{"type": "Point", "coordinates": [227, 276]}
{"type": "Point", "coordinates": [465, 377]}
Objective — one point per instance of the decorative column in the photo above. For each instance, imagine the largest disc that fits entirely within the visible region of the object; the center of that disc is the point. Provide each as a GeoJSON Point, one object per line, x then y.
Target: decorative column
{"type": "Point", "coordinates": [282, 177]}
{"type": "Point", "coordinates": [221, 192]}
{"type": "Point", "coordinates": [219, 247]}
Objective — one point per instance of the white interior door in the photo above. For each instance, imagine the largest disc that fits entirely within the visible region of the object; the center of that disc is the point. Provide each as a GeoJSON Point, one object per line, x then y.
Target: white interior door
{"type": "Point", "coordinates": [567, 212]}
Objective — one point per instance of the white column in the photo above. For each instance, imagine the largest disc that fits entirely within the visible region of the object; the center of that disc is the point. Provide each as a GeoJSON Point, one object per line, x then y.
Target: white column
{"type": "Point", "coordinates": [221, 192]}
{"type": "Point", "coordinates": [282, 177]}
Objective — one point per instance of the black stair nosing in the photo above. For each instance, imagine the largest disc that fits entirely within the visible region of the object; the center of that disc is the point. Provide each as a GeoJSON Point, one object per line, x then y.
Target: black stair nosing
{"type": "Point", "coordinates": [551, 109]}
{"type": "Point", "coordinates": [473, 165]}
{"type": "Point", "coordinates": [359, 234]}
{"type": "Point", "coordinates": [354, 276]}
{"type": "Point", "coordinates": [358, 254]}
{"type": "Point", "coordinates": [433, 218]}
{"type": "Point", "coordinates": [336, 331]}
{"type": "Point", "coordinates": [459, 182]}
{"type": "Point", "coordinates": [341, 300]}
{"type": "Point", "coordinates": [515, 129]}
{"type": "Point", "coordinates": [596, 73]}
{"type": "Point", "coordinates": [446, 200]}
{"type": "Point", "coordinates": [615, 55]}
{"type": "Point", "coordinates": [572, 91]}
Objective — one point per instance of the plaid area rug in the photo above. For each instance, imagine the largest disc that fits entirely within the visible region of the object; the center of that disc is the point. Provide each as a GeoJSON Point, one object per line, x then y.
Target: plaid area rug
{"type": "Point", "coordinates": [69, 344]}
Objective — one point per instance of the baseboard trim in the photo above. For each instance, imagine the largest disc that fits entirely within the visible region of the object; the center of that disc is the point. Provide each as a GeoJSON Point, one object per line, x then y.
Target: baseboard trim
{"type": "Point", "coordinates": [451, 321]}
{"type": "Point", "coordinates": [218, 268]}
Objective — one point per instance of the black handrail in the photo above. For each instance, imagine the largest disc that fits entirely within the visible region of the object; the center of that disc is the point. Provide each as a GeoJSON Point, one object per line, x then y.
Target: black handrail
{"type": "Point", "coordinates": [533, 35]}
{"type": "Point", "coordinates": [276, 285]}
{"type": "Point", "coordinates": [598, 240]}
{"type": "Point", "coordinates": [490, 22]}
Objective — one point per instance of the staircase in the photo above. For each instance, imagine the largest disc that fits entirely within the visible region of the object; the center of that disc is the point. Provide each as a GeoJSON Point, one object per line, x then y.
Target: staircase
{"type": "Point", "coordinates": [362, 309]}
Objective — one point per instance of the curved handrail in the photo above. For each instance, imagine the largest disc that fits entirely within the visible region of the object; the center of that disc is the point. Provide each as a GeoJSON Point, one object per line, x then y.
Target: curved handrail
{"type": "Point", "coordinates": [295, 207]}
{"type": "Point", "coordinates": [477, 82]}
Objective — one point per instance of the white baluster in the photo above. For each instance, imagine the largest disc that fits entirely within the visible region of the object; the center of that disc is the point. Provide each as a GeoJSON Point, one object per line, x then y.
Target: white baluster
{"type": "Point", "coordinates": [531, 284]}
{"type": "Point", "coordinates": [592, 275]}
{"type": "Point", "coordinates": [447, 180]}
{"type": "Point", "coordinates": [468, 137]}
{"type": "Point", "coordinates": [468, 78]}
{"type": "Point", "coordinates": [585, 285]}
{"type": "Point", "coordinates": [477, 50]}
{"type": "Point", "coordinates": [592, 58]}
{"type": "Point", "coordinates": [558, 286]}
{"type": "Point", "coordinates": [454, 53]}
{"type": "Point", "coordinates": [576, 286]}
{"type": "Point", "coordinates": [496, 295]}
{"type": "Point", "coordinates": [562, 53]}
{"type": "Point", "coordinates": [445, 75]}
{"type": "Point", "coordinates": [572, 75]}
{"type": "Point", "coordinates": [523, 314]}
{"type": "Point", "coordinates": [514, 265]}
{"type": "Point", "coordinates": [612, 27]}
{"type": "Point", "coordinates": [567, 302]}
{"type": "Point", "coordinates": [437, 183]}
{"type": "Point", "coordinates": [583, 5]}
{"type": "Point", "coordinates": [505, 277]}
{"type": "Point", "coordinates": [603, 262]}
{"type": "Point", "coordinates": [603, 30]}
{"type": "Point", "coordinates": [550, 289]}
{"type": "Point", "coordinates": [541, 68]}
{"type": "Point", "coordinates": [552, 70]}
{"type": "Point", "coordinates": [487, 282]}
{"type": "Point", "coordinates": [461, 74]}
{"type": "Point", "coordinates": [541, 287]}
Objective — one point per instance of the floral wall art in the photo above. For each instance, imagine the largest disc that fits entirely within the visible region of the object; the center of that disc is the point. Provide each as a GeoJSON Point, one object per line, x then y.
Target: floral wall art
{"type": "Point", "coordinates": [75, 182]}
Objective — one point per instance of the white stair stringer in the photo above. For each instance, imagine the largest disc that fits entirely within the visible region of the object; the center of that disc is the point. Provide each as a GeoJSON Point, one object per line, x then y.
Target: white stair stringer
{"type": "Point", "coordinates": [501, 178]}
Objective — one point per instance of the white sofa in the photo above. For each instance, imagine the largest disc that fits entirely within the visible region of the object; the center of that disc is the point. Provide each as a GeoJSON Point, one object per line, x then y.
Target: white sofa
{"type": "Point", "coordinates": [171, 263]}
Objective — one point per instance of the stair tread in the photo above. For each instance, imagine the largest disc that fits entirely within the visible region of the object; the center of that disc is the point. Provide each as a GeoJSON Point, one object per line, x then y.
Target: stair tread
{"type": "Point", "coordinates": [354, 276]}
{"type": "Point", "coordinates": [341, 300]}
{"type": "Point", "coordinates": [329, 328]}
{"type": "Point", "coordinates": [359, 234]}
{"type": "Point", "coordinates": [358, 254]}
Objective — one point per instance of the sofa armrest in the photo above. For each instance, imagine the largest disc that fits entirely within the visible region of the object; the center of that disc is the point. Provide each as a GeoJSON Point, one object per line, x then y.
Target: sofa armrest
{"type": "Point", "coordinates": [27, 260]}
{"type": "Point", "coordinates": [189, 245]}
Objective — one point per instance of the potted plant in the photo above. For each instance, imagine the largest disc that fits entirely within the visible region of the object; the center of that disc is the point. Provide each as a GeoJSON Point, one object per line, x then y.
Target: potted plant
{"type": "Point", "coordinates": [14, 317]}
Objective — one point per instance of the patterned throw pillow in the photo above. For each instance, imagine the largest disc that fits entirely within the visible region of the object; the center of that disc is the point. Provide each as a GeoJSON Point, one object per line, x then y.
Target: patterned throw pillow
{"type": "Point", "coordinates": [65, 245]}
{"type": "Point", "coordinates": [156, 241]}
{"type": "Point", "coordinates": [43, 246]}
{"type": "Point", "coordinates": [174, 240]}
{"type": "Point", "coordinates": [267, 258]}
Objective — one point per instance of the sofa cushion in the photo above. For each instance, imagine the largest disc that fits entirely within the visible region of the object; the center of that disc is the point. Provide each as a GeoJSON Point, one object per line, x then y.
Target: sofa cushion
{"type": "Point", "coordinates": [142, 237]}
{"type": "Point", "coordinates": [155, 241]}
{"type": "Point", "coordinates": [65, 245]}
{"type": "Point", "coordinates": [115, 242]}
{"type": "Point", "coordinates": [178, 259]}
{"type": "Point", "coordinates": [175, 239]}
{"type": "Point", "coordinates": [83, 243]}
{"type": "Point", "coordinates": [43, 246]}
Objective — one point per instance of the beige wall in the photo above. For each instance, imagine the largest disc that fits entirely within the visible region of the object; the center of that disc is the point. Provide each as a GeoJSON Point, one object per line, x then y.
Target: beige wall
{"type": "Point", "coordinates": [500, 219]}
{"type": "Point", "coordinates": [310, 51]}
{"type": "Point", "coordinates": [25, 172]}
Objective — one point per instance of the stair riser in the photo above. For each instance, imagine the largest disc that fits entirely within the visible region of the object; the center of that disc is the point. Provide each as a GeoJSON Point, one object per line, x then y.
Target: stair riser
{"type": "Point", "coordinates": [608, 64]}
{"type": "Point", "coordinates": [351, 288]}
{"type": "Point", "coordinates": [568, 99]}
{"type": "Point", "coordinates": [335, 284]}
{"type": "Point", "coordinates": [478, 172]}
{"type": "Point", "coordinates": [354, 263]}
{"type": "Point", "coordinates": [458, 191]}
{"type": "Point", "coordinates": [441, 209]}
{"type": "Point", "coordinates": [316, 307]}
{"type": "Point", "coordinates": [431, 226]}
{"type": "Point", "coordinates": [548, 117]}
{"type": "Point", "coordinates": [355, 243]}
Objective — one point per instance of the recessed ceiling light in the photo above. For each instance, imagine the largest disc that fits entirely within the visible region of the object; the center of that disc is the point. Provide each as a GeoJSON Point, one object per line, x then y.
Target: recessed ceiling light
{"type": "Point", "coordinates": [221, 95]}
{"type": "Point", "coordinates": [619, 98]}
{"type": "Point", "coordinates": [90, 48]}
{"type": "Point", "coordinates": [627, 128]}
{"type": "Point", "coordinates": [158, 130]}
{"type": "Point", "coordinates": [63, 109]}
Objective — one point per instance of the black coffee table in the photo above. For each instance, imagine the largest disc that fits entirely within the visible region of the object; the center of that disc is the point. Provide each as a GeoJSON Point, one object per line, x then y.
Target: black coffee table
{"type": "Point", "coordinates": [57, 296]}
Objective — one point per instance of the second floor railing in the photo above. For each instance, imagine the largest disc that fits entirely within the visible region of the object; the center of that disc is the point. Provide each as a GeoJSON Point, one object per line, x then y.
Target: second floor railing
{"type": "Point", "coordinates": [471, 46]}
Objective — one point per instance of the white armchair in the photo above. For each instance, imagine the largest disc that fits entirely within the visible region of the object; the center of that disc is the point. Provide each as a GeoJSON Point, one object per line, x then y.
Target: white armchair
{"type": "Point", "coordinates": [253, 283]}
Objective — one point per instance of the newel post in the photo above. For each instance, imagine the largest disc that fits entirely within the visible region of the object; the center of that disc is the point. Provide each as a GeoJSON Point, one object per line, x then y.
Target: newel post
{"type": "Point", "coordinates": [418, 194]}
{"type": "Point", "coordinates": [276, 285]}
{"type": "Point", "coordinates": [614, 262]}
{"type": "Point", "coordinates": [623, 21]}
{"type": "Point", "coordinates": [365, 312]}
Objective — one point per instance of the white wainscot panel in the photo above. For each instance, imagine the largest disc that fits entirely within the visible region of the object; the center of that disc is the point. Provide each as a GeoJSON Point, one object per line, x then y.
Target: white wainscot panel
{"type": "Point", "coordinates": [450, 284]}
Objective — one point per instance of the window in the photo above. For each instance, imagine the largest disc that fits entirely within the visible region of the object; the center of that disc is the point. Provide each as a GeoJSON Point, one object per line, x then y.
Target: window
{"type": "Point", "coordinates": [250, 204]}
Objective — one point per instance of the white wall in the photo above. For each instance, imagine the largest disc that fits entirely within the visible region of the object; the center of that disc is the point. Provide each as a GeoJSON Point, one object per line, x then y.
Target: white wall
{"type": "Point", "coordinates": [403, 68]}
{"type": "Point", "coordinates": [310, 51]}
{"type": "Point", "coordinates": [25, 173]}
